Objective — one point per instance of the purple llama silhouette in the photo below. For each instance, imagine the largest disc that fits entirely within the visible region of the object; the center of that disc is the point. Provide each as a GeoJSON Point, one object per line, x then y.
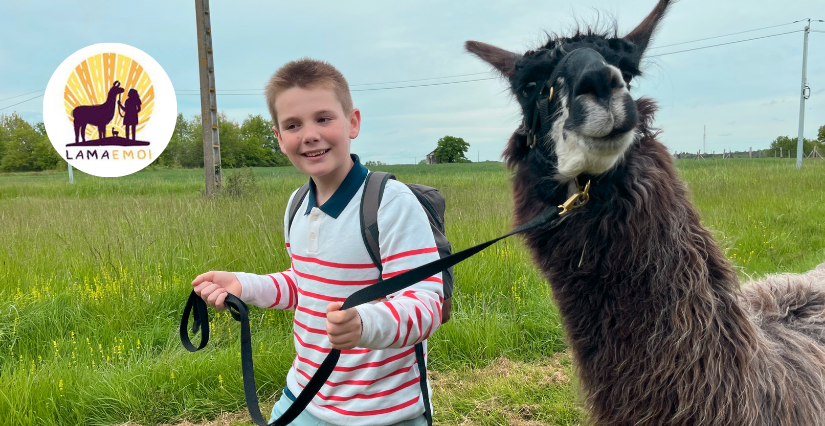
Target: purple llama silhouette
{"type": "Point", "coordinates": [130, 113]}
{"type": "Point", "coordinates": [96, 115]}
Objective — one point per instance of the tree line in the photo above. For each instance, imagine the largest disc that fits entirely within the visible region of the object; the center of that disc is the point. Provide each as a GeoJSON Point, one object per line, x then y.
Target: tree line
{"type": "Point", "coordinates": [251, 143]}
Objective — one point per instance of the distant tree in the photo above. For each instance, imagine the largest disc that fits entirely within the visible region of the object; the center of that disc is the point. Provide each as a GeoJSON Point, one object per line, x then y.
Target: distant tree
{"type": "Point", "coordinates": [424, 161]}
{"type": "Point", "coordinates": [185, 148]}
{"type": "Point", "coordinates": [375, 163]}
{"type": "Point", "coordinates": [18, 155]}
{"type": "Point", "coordinates": [790, 144]}
{"type": "Point", "coordinates": [260, 144]}
{"type": "Point", "coordinates": [451, 150]}
{"type": "Point", "coordinates": [232, 150]}
{"type": "Point", "coordinates": [4, 135]}
{"type": "Point", "coordinates": [45, 156]}
{"type": "Point", "coordinates": [821, 136]}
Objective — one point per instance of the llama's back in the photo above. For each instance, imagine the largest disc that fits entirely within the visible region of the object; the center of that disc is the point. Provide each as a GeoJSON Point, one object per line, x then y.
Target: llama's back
{"type": "Point", "coordinates": [789, 312]}
{"type": "Point", "coordinates": [783, 302]}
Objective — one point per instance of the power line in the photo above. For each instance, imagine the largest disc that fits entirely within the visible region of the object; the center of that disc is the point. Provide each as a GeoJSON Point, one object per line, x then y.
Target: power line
{"type": "Point", "coordinates": [24, 94]}
{"type": "Point", "coordinates": [361, 84]}
{"type": "Point", "coordinates": [424, 85]}
{"type": "Point", "coordinates": [725, 35]}
{"type": "Point", "coordinates": [360, 90]}
{"type": "Point", "coordinates": [7, 107]}
{"type": "Point", "coordinates": [724, 44]}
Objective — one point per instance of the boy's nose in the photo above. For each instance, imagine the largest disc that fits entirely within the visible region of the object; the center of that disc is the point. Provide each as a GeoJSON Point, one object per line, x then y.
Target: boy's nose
{"type": "Point", "coordinates": [311, 134]}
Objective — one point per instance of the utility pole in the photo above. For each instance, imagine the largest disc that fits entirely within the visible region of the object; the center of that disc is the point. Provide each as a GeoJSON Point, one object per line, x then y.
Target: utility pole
{"type": "Point", "coordinates": [209, 105]}
{"type": "Point", "coordinates": [804, 94]}
{"type": "Point", "coordinates": [705, 139]}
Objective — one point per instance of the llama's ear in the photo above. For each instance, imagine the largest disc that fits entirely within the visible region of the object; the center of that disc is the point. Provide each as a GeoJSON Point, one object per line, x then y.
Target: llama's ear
{"type": "Point", "coordinates": [643, 33]}
{"type": "Point", "coordinates": [502, 60]}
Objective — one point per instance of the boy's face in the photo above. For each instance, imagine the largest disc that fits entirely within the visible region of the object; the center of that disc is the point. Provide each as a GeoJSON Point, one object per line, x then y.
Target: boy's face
{"type": "Point", "coordinates": [315, 132]}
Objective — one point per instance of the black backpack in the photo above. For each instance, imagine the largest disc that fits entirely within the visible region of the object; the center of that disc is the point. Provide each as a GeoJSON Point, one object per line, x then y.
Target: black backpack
{"type": "Point", "coordinates": [431, 201]}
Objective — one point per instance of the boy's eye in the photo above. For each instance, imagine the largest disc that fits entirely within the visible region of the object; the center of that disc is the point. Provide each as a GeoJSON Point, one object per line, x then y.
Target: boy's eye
{"type": "Point", "coordinates": [291, 126]}
{"type": "Point", "coordinates": [324, 120]}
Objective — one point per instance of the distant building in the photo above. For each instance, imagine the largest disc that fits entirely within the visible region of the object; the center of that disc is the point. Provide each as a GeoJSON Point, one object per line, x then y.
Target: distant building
{"type": "Point", "coordinates": [431, 158]}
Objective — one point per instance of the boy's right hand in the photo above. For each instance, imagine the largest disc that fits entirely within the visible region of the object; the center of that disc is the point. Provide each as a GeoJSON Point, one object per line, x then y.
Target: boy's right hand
{"type": "Point", "coordinates": [213, 287]}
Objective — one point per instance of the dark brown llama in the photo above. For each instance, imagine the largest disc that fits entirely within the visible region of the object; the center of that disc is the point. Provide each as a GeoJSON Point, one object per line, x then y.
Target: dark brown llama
{"type": "Point", "coordinates": [653, 311]}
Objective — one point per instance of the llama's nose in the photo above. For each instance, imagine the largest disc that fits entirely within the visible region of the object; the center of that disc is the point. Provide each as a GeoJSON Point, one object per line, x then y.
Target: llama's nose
{"type": "Point", "coordinates": [598, 81]}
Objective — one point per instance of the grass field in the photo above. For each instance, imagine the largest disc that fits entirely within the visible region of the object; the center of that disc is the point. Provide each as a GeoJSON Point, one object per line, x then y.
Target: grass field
{"type": "Point", "coordinates": [94, 277]}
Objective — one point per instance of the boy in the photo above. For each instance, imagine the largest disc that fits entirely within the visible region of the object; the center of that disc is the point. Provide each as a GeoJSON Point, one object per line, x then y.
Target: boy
{"type": "Point", "coordinates": [376, 381]}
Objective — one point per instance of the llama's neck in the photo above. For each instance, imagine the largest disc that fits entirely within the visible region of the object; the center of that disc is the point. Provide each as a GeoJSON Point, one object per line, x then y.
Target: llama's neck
{"type": "Point", "coordinates": [646, 296]}
{"type": "Point", "coordinates": [110, 100]}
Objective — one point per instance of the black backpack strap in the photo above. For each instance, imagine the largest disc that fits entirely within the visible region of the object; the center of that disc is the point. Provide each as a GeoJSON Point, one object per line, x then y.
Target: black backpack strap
{"type": "Point", "coordinates": [370, 201]}
{"type": "Point", "coordinates": [296, 202]}
{"type": "Point", "coordinates": [422, 371]}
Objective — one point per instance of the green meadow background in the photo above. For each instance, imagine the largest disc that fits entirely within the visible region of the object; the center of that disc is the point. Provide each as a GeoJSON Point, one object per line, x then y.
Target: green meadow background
{"type": "Point", "coordinates": [95, 274]}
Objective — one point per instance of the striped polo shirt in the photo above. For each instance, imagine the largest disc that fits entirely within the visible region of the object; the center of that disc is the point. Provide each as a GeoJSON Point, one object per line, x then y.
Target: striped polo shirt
{"type": "Point", "coordinates": [377, 382]}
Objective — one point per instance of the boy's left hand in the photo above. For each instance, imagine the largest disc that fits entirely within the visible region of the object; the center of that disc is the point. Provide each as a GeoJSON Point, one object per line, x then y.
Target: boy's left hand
{"type": "Point", "coordinates": [343, 327]}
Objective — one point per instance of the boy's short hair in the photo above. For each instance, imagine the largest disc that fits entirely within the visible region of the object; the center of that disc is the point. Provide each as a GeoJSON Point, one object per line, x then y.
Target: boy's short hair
{"type": "Point", "coordinates": [307, 73]}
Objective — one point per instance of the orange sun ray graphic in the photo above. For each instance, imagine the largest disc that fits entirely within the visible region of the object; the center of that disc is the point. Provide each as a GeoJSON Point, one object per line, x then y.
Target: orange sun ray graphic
{"type": "Point", "coordinates": [91, 80]}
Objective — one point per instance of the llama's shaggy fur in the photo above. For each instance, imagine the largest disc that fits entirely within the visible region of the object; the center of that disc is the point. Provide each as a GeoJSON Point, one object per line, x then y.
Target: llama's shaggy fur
{"type": "Point", "coordinates": [660, 331]}
{"type": "Point", "coordinates": [652, 307]}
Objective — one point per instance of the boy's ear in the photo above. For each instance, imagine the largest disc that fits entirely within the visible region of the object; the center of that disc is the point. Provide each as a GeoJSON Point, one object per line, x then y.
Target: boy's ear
{"type": "Point", "coordinates": [354, 123]}
{"type": "Point", "coordinates": [278, 136]}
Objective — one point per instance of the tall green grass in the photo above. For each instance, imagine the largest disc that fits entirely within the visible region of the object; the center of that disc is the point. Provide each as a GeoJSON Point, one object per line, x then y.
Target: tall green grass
{"type": "Point", "coordinates": [94, 276]}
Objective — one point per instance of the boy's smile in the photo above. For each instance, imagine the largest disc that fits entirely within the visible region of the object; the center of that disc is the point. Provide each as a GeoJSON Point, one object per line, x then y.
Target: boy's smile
{"type": "Point", "coordinates": [315, 134]}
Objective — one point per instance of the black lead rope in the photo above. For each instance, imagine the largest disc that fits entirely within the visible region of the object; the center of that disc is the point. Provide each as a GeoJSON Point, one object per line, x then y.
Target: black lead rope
{"type": "Point", "coordinates": [240, 312]}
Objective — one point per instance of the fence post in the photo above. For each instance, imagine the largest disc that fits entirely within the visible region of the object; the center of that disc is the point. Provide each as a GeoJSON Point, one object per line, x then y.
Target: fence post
{"type": "Point", "coordinates": [780, 152]}
{"type": "Point", "coordinates": [750, 153]}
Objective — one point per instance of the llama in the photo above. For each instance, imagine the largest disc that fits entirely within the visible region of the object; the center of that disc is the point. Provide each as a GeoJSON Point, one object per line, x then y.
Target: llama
{"type": "Point", "coordinates": [658, 326]}
{"type": "Point", "coordinates": [96, 115]}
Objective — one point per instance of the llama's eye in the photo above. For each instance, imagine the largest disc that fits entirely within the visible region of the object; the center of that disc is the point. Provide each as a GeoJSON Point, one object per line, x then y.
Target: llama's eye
{"type": "Point", "coordinates": [627, 77]}
{"type": "Point", "coordinates": [528, 88]}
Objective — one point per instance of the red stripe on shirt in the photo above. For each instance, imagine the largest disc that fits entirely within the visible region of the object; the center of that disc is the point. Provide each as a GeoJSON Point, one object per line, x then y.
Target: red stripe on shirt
{"type": "Point", "coordinates": [335, 282]}
{"type": "Point", "coordinates": [311, 312]}
{"type": "Point", "coordinates": [409, 253]}
{"type": "Point", "coordinates": [372, 412]}
{"type": "Point", "coordinates": [397, 322]}
{"type": "Point", "coordinates": [321, 296]}
{"type": "Point", "coordinates": [411, 294]}
{"type": "Point", "coordinates": [334, 264]}
{"type": "Point", "coordinates": [365, 365]}
{"type": "Point", "coordinates": [409, 327]}
{"type": "Point", "coordinates": [355, 382]}
{"type": "Point", "coordinates": [365, 396]}
{"type": "Point", "coordinates": [310, 329]}
{"type": "Point", "coordinates": [327, 350]}
{"type": "Point", "coordinates": [418, 314]}
{"type": "Point", "coordinates": [277, 287]}
{"type": "Point", "coordinates": [292, 290]}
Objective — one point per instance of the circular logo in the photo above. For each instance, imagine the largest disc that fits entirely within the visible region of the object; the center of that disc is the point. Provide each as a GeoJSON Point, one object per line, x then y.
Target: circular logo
{"type": "Point", "coordinates": [109, 109]}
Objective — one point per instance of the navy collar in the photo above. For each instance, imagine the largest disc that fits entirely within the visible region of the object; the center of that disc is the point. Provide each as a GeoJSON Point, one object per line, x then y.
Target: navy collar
{"type": "Point", "coordinates": [342, 196]}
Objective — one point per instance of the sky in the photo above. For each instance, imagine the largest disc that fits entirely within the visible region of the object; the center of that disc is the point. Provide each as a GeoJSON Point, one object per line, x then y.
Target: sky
{"type": "Point", "coordinates": [746, 94]}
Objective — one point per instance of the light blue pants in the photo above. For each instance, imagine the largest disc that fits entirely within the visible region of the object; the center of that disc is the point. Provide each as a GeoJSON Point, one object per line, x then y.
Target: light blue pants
{"type": "Point", "coordinates": [306, 419]}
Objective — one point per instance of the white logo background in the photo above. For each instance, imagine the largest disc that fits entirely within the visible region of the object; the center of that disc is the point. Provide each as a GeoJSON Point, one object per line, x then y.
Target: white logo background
{"type": "Point", "coordinates": [157, 131]}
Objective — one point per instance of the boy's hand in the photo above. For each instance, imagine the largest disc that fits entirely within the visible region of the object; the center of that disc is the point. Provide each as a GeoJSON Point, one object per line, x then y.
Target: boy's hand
{"type": "Point", "coordinates": [213, 287]}
{"type": "Point", "coordinates": [343, 327]}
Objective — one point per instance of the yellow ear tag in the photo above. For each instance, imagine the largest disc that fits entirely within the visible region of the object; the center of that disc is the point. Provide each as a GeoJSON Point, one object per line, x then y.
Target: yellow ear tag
{"type": "Point", "coordinates": [550, 98]}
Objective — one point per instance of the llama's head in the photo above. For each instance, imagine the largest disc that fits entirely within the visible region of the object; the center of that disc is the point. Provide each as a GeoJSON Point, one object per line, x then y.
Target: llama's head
{"type": "Point", "coordinates": [115, 90]}
{"type": "Point", "coordinates": [579, 116]}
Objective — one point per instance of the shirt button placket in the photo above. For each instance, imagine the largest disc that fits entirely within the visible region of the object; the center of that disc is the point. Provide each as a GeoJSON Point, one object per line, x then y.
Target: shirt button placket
{"type": "Point", "coordinates": [314, 228]}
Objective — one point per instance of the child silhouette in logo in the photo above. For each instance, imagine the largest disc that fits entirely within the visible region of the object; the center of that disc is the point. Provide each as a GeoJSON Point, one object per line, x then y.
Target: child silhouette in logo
{"type": "Point", "coordinates": [130, 112]}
